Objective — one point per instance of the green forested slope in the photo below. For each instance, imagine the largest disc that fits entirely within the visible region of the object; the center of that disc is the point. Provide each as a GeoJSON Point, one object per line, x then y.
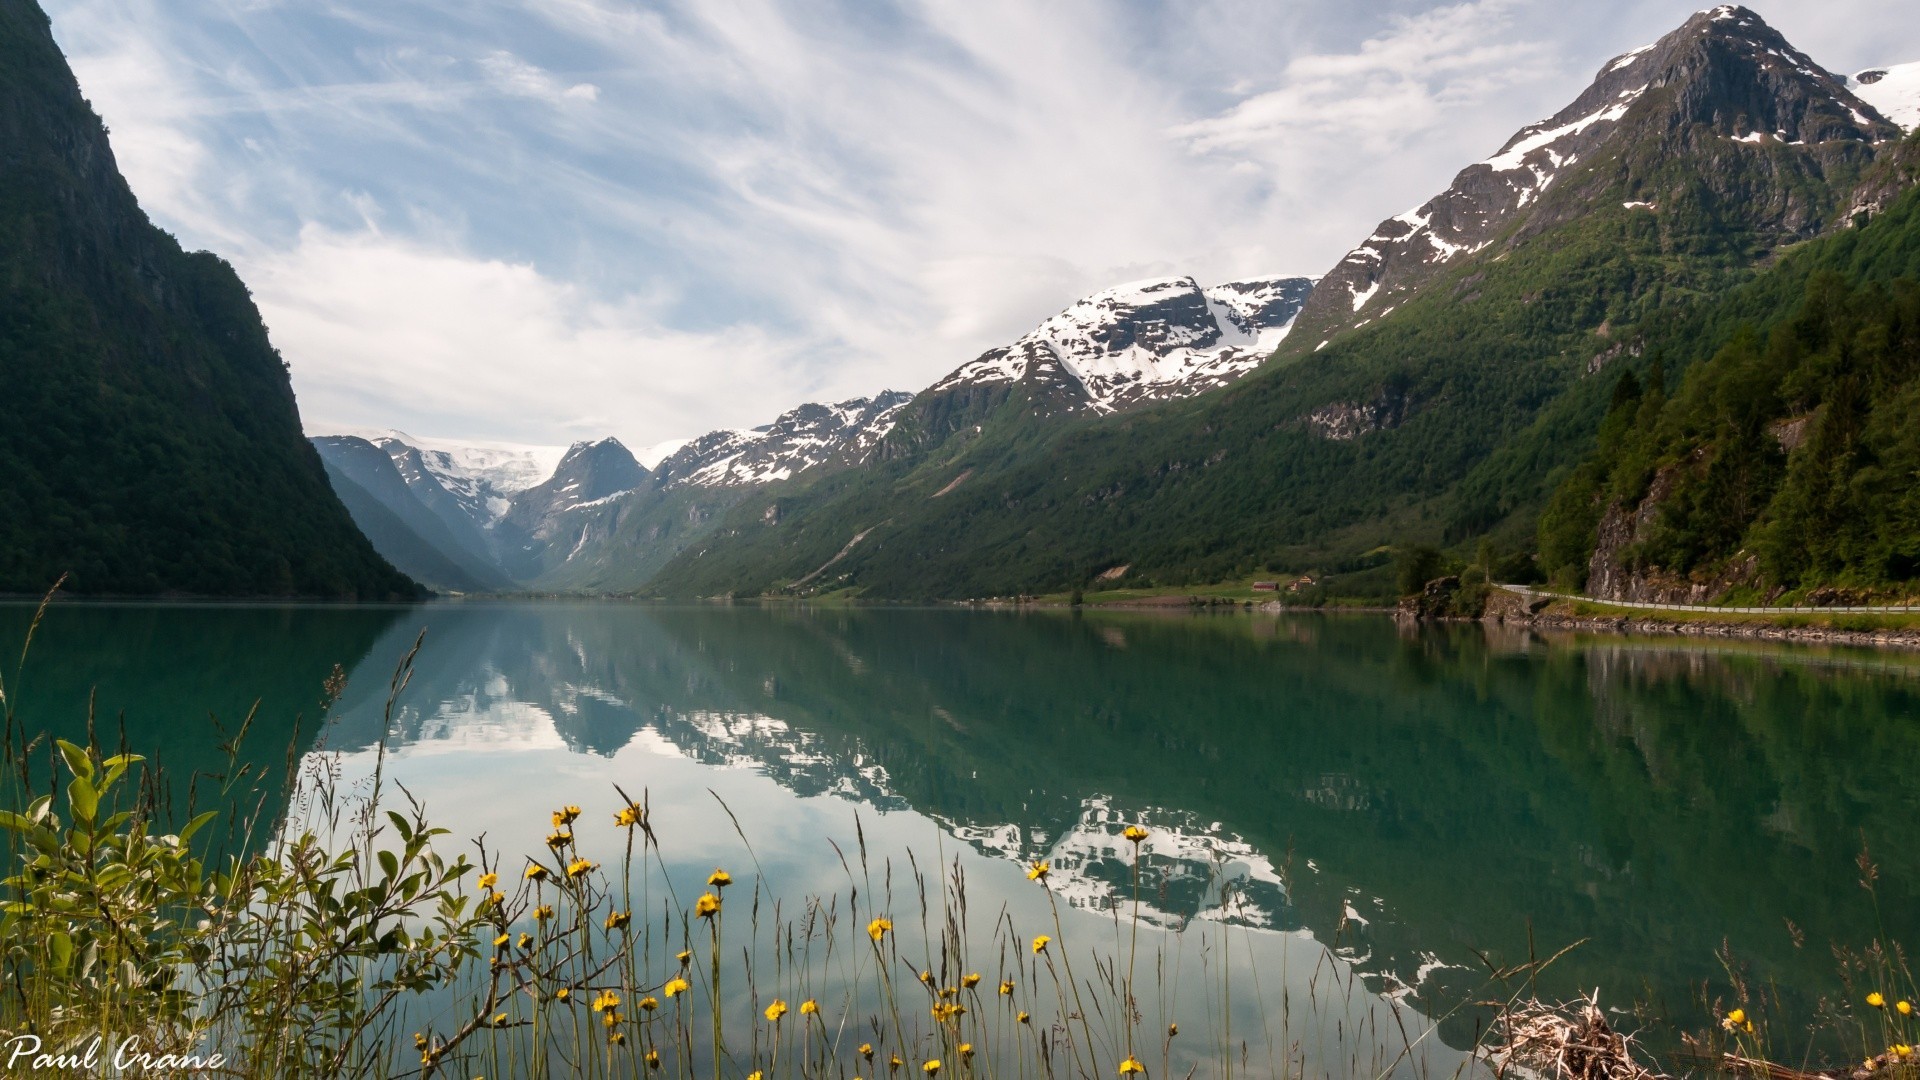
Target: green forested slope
{"type": "Point", "coordinates": [1786, 459]}
{"type": "Point", "coordinates": [149, 441]}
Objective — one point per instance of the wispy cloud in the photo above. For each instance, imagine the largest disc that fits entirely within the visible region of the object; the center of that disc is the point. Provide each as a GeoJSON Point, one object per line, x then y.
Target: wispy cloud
{"type": "Point", "coordinates": [542, 219]}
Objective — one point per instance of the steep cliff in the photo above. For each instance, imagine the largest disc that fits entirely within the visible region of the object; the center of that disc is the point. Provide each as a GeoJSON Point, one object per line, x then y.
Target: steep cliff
{"type": "Point", "coordinates": [149, 439]}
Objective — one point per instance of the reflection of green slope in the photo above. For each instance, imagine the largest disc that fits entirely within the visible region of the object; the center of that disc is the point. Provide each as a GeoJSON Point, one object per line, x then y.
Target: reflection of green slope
{"type": "Point", "coordinates": [1654, 801]}
{"type": "Point", "coordinates": [178, 681]}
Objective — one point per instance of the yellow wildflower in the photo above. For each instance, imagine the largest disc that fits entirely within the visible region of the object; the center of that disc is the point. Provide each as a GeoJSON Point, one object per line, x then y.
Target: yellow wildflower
{"type": "Point", "coordinates": [1040, 944]}
{"type": "Point", "coordinates": [565, 816]}
{"type": "Point", "coordinates": [604, 1000]}
{"type": "Point", "coordinates": [611, 1018]}
{"type": "Point", "coordinates": [653, 1059]}
{"type": "Point", "coordinates": [932, 1067]}
{"type": "Point", "coordinates": [1877, 1000]}
{"type": "Point", "coordinates": [1131, 1065]}
{"type": "Point", "coordinates": [501, 941]}
{"type": "Point", "coordinates": [631, 815]}
{"type": "Point", "coordinates": [1737, 1016]}
{"type": "Point", "coordinates": [563, 994]}
{"type": "Point", "coordinates": [707, 906]}
{"type": "Point", "coordinates": [1905, 1008]}
{"type": "Point", "coordinates": [525, 940]}
{"type": "Point", "coordinates": [894, 1063]}
{"type": "Point", "coordinates": [720, 879]}
{"type": "Point", "coordinates": [776, 1010]}
{"type": "Point", "coordinates": [676, 986]}
{"type": "Point", "coordinates": [543, 912]}
{"type": "Point", "coordinates": [866, 1051]}
{"type": "Point", "coordinates": [1006, 987]}
{"type": "Point", "coordinates": [559, 839]}
{"type": "Point", "coordinates": [536, 872]}
{"type": "Point", "coordinates": [1023, 1017]}
{"type": "Point", "coordinates": [618, 920]}
{"type": "Point", "coordinates": [489, 879]}
{"type": "Point", "coordinates": [927, 977]}
{"type": "Point", "coordinates": [684, 957]}
{"type": "Point", "coordinates": [756, 1075]}
{"type": "Point", "coordinates": [499, 1019]}
{"type": "Point", "coordinates": [809, 1007]}
{"type": "Point", "coordinates": [1136, 834]}
{"type": "Point", "coordinates": [1036, 871]}
{"type": "Point", "coordinates": [878, 928]}
{"type": "Point", "coordinates": [579, 867]}
{"type": "Point", "coordinates": [618, 1038]}
{"type": "Point", "coordinates": [970, 980]}
{"type": "Point", "coordinates": [1172, 1030]}
{"type": "Point", "coordinates": [966, 1050]}
{"type": "Point", "coordinates": [649, 1003]}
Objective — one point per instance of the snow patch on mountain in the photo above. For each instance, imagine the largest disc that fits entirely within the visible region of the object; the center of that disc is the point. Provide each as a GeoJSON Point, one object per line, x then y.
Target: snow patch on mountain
{"type": "Point", "coordinates": [1894, 92]}
{"type": "Point", "coordinates": [1156, 339]}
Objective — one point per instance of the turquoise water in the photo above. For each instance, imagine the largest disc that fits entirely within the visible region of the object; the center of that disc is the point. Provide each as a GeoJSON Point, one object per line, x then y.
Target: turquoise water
{"type": "Point", "coordinates": [1335, 802]}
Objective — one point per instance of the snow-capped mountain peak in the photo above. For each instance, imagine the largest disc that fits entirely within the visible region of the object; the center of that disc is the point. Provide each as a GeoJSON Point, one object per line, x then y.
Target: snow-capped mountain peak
{"type": "Point", "coordinates": [1894, 92]}
{"type": "Point", "coordinates": [800, 439]}
{"type": "Point", "coordinates": [1724, 86]}
{"type": "Point", "coordinates": [1149, 340]}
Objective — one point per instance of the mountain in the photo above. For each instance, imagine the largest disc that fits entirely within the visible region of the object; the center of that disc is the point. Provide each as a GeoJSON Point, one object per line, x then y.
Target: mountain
{"type": "Point", "coordinates": [1778, 469]}
{"type": "Point", "coordinates": [564, 511]}
{"type": "Point", "coordinates": [1146, 341]}
{"type": "Point", "coordinates": [812, 435]}
{"type": "Point", "coordinates": [398, 523]}
{"type": "Point", "coordinates": [1434, 387]}
{"type": "Point", "coordinates": [148, 431]}
{"type": "Point", "coordinates": [1723, 77]}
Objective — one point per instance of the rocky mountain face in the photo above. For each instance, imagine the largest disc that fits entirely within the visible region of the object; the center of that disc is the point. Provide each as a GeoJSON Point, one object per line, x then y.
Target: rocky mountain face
{"type": "Point", "coordinates": [1764, 123]}
{"type": "Point", "coordinates": [149, 438]}
{"type": "Point", "coordinates": [399, 523]}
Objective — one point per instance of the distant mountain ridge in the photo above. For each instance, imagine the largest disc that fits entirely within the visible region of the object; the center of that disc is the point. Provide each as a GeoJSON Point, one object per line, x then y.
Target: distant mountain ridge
{"type": "Point", "coordinates": [590, 517]}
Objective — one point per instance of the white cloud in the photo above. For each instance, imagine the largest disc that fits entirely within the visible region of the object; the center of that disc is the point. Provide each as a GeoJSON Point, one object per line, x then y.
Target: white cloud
{"type": "Point", "coordinates": [515, 76]}
{"type": "Point", "coordinates": [489, 349]}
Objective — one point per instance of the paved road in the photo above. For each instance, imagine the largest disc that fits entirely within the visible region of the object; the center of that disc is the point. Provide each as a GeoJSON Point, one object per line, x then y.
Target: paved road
{"type": "Point", "coordinates": [1711, 609]}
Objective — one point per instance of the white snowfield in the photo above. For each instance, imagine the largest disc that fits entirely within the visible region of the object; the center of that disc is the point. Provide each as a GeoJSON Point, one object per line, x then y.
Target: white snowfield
{"type": "Point", "coordinates": [1894, 92]}
{"type": "Point", "coordinates": [1124, 344]}
{"type": "Point", "coordinates": [482, 476]}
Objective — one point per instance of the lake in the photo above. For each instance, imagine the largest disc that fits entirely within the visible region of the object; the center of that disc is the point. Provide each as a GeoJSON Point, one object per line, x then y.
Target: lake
{"type": "Point", "coordinates": [1348, 819]}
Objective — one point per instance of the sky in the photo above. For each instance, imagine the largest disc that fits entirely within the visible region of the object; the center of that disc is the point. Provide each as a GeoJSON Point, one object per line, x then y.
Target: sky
{"type": "Point", "coordinates": [540, 221]}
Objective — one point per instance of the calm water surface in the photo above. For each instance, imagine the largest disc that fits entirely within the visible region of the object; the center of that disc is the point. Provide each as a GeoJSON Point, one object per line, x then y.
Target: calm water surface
{"type": "Point", "coordinates": [1346, 815]}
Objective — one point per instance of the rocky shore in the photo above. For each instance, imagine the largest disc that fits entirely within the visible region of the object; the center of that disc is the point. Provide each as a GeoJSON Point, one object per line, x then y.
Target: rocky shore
{"type": "Point", "coordinates": [1534, 613]}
